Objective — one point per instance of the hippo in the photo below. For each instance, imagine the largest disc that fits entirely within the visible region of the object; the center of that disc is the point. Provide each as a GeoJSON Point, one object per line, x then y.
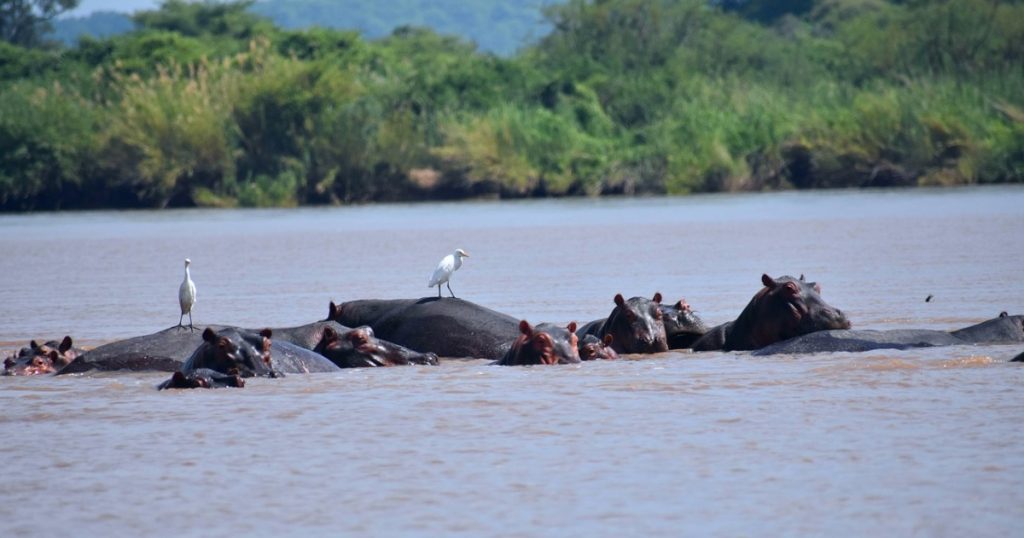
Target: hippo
{"type": "Point", "coordinates": [203, 378]}
{"type": "Point", "coordinates": [44, 358]}
{"type": "Point", "coordinates": [1001, 330]}
{"type": "Point", "coordinates": [248, 354]}
{"type": "Point", "coordinates": [546, 343]}
{"type": "Point", "coordinates": [682, 326]}
{"type": "Point", "coordinates": [636, 326]}
{"type": "Point", "coordinates": [365, 311]}
{"type": "Point", "coordinates": [163, 351]}
{"type": "Point", "coordinates": [593, 348]}
{"type": "Point", "coordinates": [784, 308]}
{"type": "Point", "coordinates": [1018, 358]}
{"type": "Point", "coordinates": [167, 351]}
{"type": "Point", "coordinates": [307, 336]}
{"type": "Point", "coordinates": [354, 348]}
{"type": "Point", "coordinates": [447, 326]}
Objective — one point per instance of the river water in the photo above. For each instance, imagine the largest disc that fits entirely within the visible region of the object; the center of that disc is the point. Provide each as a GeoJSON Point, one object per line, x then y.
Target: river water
{"type": "Point", "coordinates": [921, 442]}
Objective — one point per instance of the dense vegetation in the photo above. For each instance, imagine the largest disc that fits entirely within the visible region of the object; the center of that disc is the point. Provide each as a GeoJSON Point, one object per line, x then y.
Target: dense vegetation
{"type": "Point", "coordinates": [209, 104]}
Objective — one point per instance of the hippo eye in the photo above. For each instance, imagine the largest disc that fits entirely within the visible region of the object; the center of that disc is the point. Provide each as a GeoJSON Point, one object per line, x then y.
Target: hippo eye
{"type": "Point", "coordinates": [630, 316]}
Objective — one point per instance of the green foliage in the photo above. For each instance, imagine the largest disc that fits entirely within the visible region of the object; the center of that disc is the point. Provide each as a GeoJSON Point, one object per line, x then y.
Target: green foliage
{"type": "Point", "coordinates": [199, 19]}
{"type": "Point", "coordinates": [47, 146]}
{"type": "Point", "coordinates": [26, 22]}
{"type": "Point", "coordinates": [171, 133]}
{"type": "Point", "coordinates": [206, 105]}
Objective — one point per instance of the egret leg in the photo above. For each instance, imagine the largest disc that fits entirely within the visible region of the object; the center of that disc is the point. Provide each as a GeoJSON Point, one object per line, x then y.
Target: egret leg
{"type": "Point", "coordinates": [438, 291]}
{"type": "Point", "coordinates": [190, 327]}
{"type": "Point", "coordinates": [181, 317]}
{"type": "Point", "coordinates": [449, 284]}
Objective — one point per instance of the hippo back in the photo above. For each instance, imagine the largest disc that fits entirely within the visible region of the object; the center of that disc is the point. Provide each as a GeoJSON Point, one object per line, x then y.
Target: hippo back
{"type": "Point", "coordinates": [163, 351]}
{"type": "Point", "coordinates": [448, 327]}
{"type": "Point", "coordinates": [365, 311]}
{"type": "Point", "coordinates": [1000, 330]}
{"type": "Point", "coordinates": [860, 340]}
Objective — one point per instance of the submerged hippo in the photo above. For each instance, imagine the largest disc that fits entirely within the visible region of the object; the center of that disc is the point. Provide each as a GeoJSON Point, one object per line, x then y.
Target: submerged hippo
{"type": "Point", "coordinates": [636, 326]}
{"type": "Point", "coordinates": [682, 326]}
{"type": "Point", "coordinates": [354, 348]}
{"type": "Point", "coordinates": [545, 343]}
{"type": "Point", "coordinates": [1018, 358]}
{"type": "Point", "coordinates": [1001, 330]}
{"type": "Point", "coordinates": [447, 326]}
{"type": "Point", "coordinates": [202, 378]}
{"type": "Point", "coordinates": [593, 348]}
{"type": "Point", "coordinates": [44, 358]}
{"type": "Point", "coordinates": [784, 308]}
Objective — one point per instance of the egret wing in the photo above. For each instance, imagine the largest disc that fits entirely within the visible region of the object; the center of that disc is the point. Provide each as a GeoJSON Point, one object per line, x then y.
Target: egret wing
{"type": "Point", "coordinates": [443, 271]}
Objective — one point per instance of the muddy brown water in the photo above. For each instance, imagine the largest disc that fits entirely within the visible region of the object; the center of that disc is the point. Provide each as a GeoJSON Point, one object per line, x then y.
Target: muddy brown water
{"type": "Point", "coordinates": [924, 442]}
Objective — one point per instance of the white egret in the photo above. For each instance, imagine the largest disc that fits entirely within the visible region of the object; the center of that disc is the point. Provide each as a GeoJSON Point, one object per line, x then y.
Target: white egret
{"type": "Point", "coordinates": [449, 264]}
{"type": "Point", "coordinates": [187, 296]}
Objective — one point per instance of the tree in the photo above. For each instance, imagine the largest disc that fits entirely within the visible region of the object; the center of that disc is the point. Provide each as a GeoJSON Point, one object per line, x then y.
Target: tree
{"type": "Point", "coordinates": [26, 22]}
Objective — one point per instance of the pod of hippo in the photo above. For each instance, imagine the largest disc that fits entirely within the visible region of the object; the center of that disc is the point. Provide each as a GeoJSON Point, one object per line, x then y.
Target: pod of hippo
{"type": "Point", "coordinates": [787, 315]}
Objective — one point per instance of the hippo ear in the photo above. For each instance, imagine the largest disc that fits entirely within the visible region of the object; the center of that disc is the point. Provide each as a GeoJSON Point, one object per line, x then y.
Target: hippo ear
{"type": "Point", "coordinates": [801, 277]}
{"type": "Point", "coordinates": [33, 345]}
{"type": "Point", "coordinates": [266, 333]}
{"type": "Point", "coordinates": [619, 301]}
{"type": "Point", "coordinates": [607, 339]}
{"type": "Point", "coordinates": [329, 334]}
{"type": "Point", "coordinates": [1004, 314]}
{"type": "Point", "coordinates": [65, 344]}
{"type": "Point", "coordinates": [768, 281]}
{"type": "Point", "coordinates": [657, 297]}
{"type": "Point", "coordinates": [209, 335]}
{"type": "Point", "coordinates": [524, 327]}
{"type": "Point", "coordinates": [572, 326]}
{"type": "Point", "coordinates": [52, 355]}
{"type": "Point", "coordinates": [816, 287]}
{"type": "Point", "coordinates": [333, 311]}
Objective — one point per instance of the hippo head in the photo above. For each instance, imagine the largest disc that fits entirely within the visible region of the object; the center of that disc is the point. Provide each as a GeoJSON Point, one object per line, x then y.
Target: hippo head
{"type": "Point", "coordinates": [594, 348]}
{"type": "Point", "coordinates": [636, 325]}
{"type": "Point", "coordinates": [31, 364]}
{"type": "Point", "coordinates": [359, 347]}
{"type": "Point", "coordinates": [235, 353]}
{"type": "Point", "coordinates": [202, 378]}
{"type": "Point", "coordinates": [682, 326]}
{"type": "Point", "coordinates": [41, 358]}
{"type": "Point", "coordinates": [546, 343]}
{"type": "Point", "coordinates": [786, 307]}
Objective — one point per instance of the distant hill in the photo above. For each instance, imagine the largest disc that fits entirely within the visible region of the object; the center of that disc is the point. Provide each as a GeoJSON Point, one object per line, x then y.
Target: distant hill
{"type": "Point", "coordinates": [499, 26]}
{"type": "Point", "coordinates": [97, 24]}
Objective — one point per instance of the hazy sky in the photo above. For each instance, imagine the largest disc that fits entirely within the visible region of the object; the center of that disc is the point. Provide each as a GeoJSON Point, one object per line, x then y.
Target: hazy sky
{"type": "Point", "coordinates": [86, 7]}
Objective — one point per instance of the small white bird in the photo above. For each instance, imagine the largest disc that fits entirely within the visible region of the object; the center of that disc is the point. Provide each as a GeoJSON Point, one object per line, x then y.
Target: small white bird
{"type": "Point", "coordinates": [187, 296]}
{"type": "Point", "coordinates": [449, 264]}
